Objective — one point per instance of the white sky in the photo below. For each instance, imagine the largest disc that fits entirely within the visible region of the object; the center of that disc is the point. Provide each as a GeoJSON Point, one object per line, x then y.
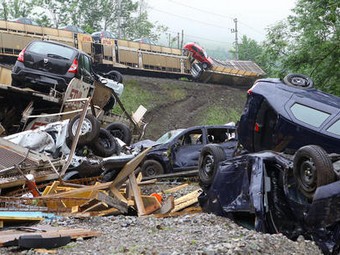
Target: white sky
{"type": "Point", "coordinates": [214, 26]}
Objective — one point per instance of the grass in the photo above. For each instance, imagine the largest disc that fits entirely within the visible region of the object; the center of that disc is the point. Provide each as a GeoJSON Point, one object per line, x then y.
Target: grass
{"type": "Point", "coordinates": [217, 114]}
{"type": "Point", "coordinates": [133, 96]}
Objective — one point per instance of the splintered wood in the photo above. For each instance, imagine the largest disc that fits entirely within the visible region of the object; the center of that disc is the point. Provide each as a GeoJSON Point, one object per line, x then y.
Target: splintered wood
{"type": "Point", "coordinates": [111, 198]}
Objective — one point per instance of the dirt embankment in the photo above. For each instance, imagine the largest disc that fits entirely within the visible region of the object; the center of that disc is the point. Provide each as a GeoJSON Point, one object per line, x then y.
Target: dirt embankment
{"type": "Point", "coordinates": [181, 104]}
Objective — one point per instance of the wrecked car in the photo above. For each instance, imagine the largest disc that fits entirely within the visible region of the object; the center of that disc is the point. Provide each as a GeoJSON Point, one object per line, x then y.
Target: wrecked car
{"type": "Point", "coordinates": [179, 150]}
{"type": "Point", "coordinates": [43, 65]}
{"type": "Point", "coordinates": [46, 152]}
{"type": "Point", "coordinates": [273, 193]}
{"type": "Point", "coordinates": [284, 115]}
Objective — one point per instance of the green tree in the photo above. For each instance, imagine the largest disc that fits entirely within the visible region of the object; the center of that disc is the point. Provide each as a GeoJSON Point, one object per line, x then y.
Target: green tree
{"type": "Point", "coordinates": [249, 49]}
{"type": "Point", "coordinates": [15, 8]}
{"type": "Point", "coordinates": [308, 42]}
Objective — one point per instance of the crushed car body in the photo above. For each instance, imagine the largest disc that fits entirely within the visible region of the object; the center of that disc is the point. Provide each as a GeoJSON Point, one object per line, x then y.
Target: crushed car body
{"type": "Point", "coordinates": [260, 190]}
{"type": "Point", "coordinates": [284, 115]}
{"type": "Point", "coordinates": [178, 150]}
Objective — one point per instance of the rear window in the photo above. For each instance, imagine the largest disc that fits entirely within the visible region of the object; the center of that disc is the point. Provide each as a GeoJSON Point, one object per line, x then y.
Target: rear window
{"type": "Point", "coordinates": [309, 115]}
{"type": "Point", "coordinates": [52, 49]}
{"type": "Point", "coordinates": [335, 128]}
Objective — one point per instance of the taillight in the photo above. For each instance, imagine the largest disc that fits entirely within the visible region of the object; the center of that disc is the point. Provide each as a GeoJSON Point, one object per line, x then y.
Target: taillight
{"type": "Point", "coordinates": [257, 128]}
{"type": "Point", "coordinates": [74, 67]}
{"type": "Point", "coordinates": [21, 55]}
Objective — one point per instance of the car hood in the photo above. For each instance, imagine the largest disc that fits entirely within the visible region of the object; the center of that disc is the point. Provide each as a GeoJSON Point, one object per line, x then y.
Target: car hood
{"type": "Point", "coordinates": [145, 144]}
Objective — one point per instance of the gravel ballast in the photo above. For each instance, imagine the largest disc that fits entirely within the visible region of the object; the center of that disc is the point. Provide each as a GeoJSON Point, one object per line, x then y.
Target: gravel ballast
{"type": "Point", "coordinates": [198, 233]}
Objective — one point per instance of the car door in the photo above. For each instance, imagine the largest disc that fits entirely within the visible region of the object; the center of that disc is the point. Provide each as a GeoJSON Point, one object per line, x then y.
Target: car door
{"type": "Point", "coordinates": [85, 70]}
{"type": "Point", "coordinates": [185, 151]}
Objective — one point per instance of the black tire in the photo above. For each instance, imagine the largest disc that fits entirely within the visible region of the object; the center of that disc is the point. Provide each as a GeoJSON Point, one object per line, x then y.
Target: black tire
{"type": "Point", "coordinates": [105, 145]}
{"type": "Point", "coordinates": [110, 104]}
{"type": "Point", "coordinates": [312, 168]}
{"type": "Point", "coordinates": [121, 131]}
{"type": "Point", "coordinates": [152, 168]}
{"type": "Point", "coordinates": [89, 131]}
{"type": "Point", "coordinates": [72, 175]}
{"type": "Point", "coordinates": [211, 155]}
{"type": "Point", "coordinates": [114, 75]}
{"type": "Point", "coordinates": [298, 80]}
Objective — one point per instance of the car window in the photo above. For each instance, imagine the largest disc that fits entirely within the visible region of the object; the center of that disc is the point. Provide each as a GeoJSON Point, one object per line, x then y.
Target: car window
{"type": "Point", "coordinates": [168, 136]}
{"type": "Point", "coordinates": [309, 115]}
{"type": "Point", "coordinates": [220, 135]}
{"type": "Point", "coordinates": [85, 65]}
{"type": "Point", "coordinates": [50, 48]}
{"type": "Point", "coordinates": [335, 128]}
{"type": "Point", "coordinates": [192, 137]}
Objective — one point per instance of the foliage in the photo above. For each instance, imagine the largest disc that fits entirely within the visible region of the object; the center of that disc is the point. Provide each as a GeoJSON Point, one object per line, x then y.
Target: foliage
{"type": "Point", "coordinates": [128, 19]}
{"type": "Point", "coordinates": [10, 9]}
{"type": "Point", "coordinates": [307, 42]}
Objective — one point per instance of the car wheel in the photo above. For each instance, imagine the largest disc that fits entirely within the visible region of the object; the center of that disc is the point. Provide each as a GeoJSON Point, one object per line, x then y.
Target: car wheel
{"type": "Point", "coordinates": [105, 145]}
{"type": "Point", "coordinates": [109, 105]}
{"type": "Point", "coordinates": [72, 175]}
{"type": "Point", "coordinates": [298, 80]}
{"type": "Point", "coordinates": [204, 65]}
{"type": "Point", "coordinates": [121, 131]}
{"type": "Point", "coordinates": [211, 155]}
{"type": "Point", "coordinates": [312, 168]}
{"type": "Point", "coordinates": [89, 130]}
{"type": "Point", "coordinates": [114, 75]}
{"type": "Point", "coordinates": [152, 168]}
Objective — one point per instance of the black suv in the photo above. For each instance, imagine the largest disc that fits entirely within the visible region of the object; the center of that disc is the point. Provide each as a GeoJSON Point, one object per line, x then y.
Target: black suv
{"type": "Point", "coordinates": [43, 65]}
{"type": "Point", "coordinates": [284, 115]}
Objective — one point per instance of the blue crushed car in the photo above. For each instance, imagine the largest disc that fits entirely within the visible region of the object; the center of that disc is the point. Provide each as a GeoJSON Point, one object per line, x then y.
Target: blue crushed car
{"type": "Point", "coordinates": [284, 115]}
{"type": "Point", "coordinates": [178, 150]}
{"type": "Point", "coordinates": [285, 175]}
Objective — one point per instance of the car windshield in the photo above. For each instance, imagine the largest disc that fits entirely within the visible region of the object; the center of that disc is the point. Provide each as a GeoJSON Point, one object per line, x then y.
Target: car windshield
{"type": "Point", "coordinates": [168, 136]}
{"type": "Point", "coordinates": [51, 49]}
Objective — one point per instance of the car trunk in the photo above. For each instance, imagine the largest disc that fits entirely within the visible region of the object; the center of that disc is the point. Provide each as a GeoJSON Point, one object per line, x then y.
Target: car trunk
{"type": "Point", "coordinates": [53, 59]}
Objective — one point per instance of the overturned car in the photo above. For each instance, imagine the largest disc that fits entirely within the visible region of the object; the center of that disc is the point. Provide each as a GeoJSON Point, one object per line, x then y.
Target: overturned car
{"type": "Point", "coordinates": [267, 192]}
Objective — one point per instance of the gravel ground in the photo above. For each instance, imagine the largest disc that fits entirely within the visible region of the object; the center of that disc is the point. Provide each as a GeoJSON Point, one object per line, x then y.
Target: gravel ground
{"type": "Point", "coordinates": [197, 233]}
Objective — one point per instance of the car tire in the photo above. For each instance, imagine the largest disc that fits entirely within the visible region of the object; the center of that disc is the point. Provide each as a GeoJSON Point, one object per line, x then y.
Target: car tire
{"type": "Point", "coordinates": [110, 104]}
{"type": "Point", "coordinates": [152, 168]}
{"type": "Point", "coordinates": [114, 75]}
{"type": "Point", "coordinates": [204, 66]}
{"type": "Point", "coordinates": [105, 145]}
{"type": "Point", "coordinates": [72, 175]}
{"type": "Point", "coordinates": [89, 131]}
{"type": "Point", "coordinates": [298, 80]}
{"type": "Point", "coordinates": [121, 131]}
{"type": "Point", "coordinates": [312, 168]}
{"type": "Point", "coordinates": [211, 155]}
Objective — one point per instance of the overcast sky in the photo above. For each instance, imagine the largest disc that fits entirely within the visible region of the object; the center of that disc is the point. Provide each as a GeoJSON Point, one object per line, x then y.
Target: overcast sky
{"type": "Point", "coordinates": [210, 22]}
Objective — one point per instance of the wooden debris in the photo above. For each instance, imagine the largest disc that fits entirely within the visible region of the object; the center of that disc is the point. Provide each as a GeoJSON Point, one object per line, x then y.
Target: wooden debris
{"type": "Point", "coordinates": [186, 200]}
{"type": "Point", "coordinates": [47, 231]}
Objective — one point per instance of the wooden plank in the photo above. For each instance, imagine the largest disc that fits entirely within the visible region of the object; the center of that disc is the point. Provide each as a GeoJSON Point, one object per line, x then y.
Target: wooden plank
{"type": "Point", "coordinates": [187, 197]}
{"type": "Point", "coordinates": [137, 195]}
{"type": "Point", "coordinates": [128, 168]}
{"type": "Point", "coordinates": [184, 204]}
{"type": "Point", "coordinates": [48, 231]}
{"type": "Point", "coordinates": [150, 204]}
{"type": "Point", "coordinates": [113, 202]}
{"type": "Point", "coordinates": [175, 189]}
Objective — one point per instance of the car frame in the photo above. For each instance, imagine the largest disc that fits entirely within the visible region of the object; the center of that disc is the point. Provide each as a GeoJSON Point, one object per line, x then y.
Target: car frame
{"type": "Point", "coordinates": [41, 67]}
{"type": "Point", "coordinates": [284, 115]}
{"type": "Point", "coordinates": [262, 191]}
{"type": "Point", "coordinates": [179, 150]}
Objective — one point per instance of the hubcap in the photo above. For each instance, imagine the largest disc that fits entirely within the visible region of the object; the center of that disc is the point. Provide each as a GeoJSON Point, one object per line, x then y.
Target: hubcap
{"type": "Point", "coordinates": [85, 128]}
{"type": "Point", "coordinates": [208, 164]}
{"type": "Point", "coordinates": [308, 175]}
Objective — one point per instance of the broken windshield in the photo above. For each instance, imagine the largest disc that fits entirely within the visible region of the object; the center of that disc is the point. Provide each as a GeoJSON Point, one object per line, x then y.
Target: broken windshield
{"type": "Point", "coordinates": [168, 136]}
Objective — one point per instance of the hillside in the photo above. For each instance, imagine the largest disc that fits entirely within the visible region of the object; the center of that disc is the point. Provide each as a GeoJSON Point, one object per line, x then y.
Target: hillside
{"type": "Point", "coordinates": [176, 104]}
